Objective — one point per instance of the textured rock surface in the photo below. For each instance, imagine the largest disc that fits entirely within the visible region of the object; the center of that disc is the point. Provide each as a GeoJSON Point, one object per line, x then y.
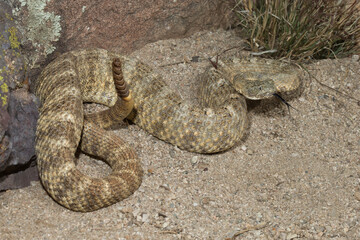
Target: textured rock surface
{"type": "Point", "coordinates": [20, 139]}
{"type": "Point", "coordinates": [40, 28]}
{"type": "Point", "coordinates": [23, 114]}
{"type": "Point", "coordinates": [18, 111]}
{"type": "Point", "coordinates": [129, 25]}
{"type": "Point", "coordinates": [57, 26]}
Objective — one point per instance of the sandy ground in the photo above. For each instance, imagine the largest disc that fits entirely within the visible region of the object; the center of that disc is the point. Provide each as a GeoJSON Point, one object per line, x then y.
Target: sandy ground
{"type": "Point", "coordinates": [295, 176]}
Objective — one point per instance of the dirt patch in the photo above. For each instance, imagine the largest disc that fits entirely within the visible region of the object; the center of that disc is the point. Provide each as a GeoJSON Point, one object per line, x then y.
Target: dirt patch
{"type": "Point", "coordinates": [295, 176]}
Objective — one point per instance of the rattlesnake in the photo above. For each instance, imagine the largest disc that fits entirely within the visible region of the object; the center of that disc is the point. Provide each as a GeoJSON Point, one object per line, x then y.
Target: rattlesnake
{"type": "Point", "coordinates": [86, 76]}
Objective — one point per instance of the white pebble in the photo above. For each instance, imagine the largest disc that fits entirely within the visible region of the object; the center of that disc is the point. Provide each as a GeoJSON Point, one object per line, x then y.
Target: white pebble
{"type": "Point", "coordinates": [355, 57]}
{"type": "Point", "coordinates": [291, 236]}
{"type": "Point", "coordinates": [194, 160]}
{"type": "Point", "coordinates": [165, 224]}
{"type": "Point", "coordinates": [145, 217]}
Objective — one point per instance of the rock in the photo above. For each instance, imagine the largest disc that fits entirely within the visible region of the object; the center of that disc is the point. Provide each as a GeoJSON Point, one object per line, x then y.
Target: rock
{"type": "Point", "coordinates": [22, 176]}
{"type": "Point", "coordinates": [40, 29]}
{"type": "Point", "coordinates": [194, 160]}
{"type": "Point", "coordinates": [145, 218]}
{"type": "Point", "coordinates": [18, 110]}
{"type": "Point", "coordinates": [129, 25]}
{"type": "Point", "coordinates": [19, 169]}
{"type": "Point", "coordinates": [291, 236]}
{"type": "Point", "coordinates": [23, 114]}
{"type": "Point", "coordinates": [249, 151]}
{"type": "Point", "coordinates": [355, 57]}
{"type": "Point", "coordinates": [59, 26]}
{"type": "Point", "coordinates": [5, 149]}
{"type": "Point", "coordinates": [5, 60]}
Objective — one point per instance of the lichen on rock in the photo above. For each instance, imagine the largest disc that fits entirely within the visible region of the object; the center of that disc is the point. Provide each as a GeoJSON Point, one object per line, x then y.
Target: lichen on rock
{"type": "Point", "coordinates": [18, 108]}
{"type": "Point", "coordinates": [39, 27]}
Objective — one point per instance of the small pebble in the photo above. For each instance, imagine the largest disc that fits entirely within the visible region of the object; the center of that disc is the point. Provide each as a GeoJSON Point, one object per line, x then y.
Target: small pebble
{"type": "Point", "coordinates": [165, 224]}
{"type": "Point", "coordinates": [172, 153]}
{"type": "Point", "coordinates": [283, 236]}
{"type": "Point", "coordinates": [203, 166]}
{"type": "Point", "coordinates": [145, 217]}
{"type": "Point", "coordinates": [291, 236]}
{"type": "Point", "coordinates": [302, 99]}
{"type": "Point", "coordinates": [34, 183]}
{"type": "Point", "coordinates": [250, 152]}
{"type": "Point", "coordinates": [165, 186]}
{"type": "Point", "coordinates": [161, 214]}
{"type": "Point", "coordinates": [194, 160]}
{"type": "Point", "coordinates": [355, 57]}
{"type": "Point", "coordinates": [136, 212]}
{"type": "Point", "coordinates": [259, 217]}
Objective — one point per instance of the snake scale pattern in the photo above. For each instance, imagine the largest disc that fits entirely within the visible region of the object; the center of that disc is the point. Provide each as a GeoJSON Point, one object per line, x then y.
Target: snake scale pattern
{"type": "Point", "coordinates": [215, 125]}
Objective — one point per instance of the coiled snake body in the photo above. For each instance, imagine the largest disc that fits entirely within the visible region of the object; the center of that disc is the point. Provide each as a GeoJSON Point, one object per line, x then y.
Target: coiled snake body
{"type": "Point", "coordinates": [87, 76]}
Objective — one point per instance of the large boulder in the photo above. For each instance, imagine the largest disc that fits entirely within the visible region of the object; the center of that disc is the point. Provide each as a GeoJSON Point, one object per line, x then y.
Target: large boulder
{"type": "Point", "coordinates": [129, 25]}
{"type": "Point", "coordinates": [18, 110]}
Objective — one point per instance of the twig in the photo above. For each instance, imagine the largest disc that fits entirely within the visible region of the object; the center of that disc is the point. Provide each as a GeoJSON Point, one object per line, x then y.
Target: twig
{"type": "Point", "coordinates": [174, 63]}
{"type": "Point", "coordinates": [248, 229]}
{"type": "Point", "coordinates": [193, 59]}
{"type": "Point", "coordinates": [174, 231]}
{"type": "Point", "coordinates": [263, 52]}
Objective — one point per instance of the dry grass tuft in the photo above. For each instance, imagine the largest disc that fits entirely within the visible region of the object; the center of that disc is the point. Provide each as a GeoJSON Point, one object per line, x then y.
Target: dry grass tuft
{"type": "Point", "coordinates": [301, 29]}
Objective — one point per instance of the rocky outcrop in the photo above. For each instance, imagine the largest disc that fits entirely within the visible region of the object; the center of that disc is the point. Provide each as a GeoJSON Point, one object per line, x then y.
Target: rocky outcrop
{"type": "Point", "coordinates": [18, 110]}
{"type": "Point", "coordinates": [57, 26]}
{"type": "Point", "coordinates": [19, 167]}
{"type": "Point", "coordinates": [129, 25]}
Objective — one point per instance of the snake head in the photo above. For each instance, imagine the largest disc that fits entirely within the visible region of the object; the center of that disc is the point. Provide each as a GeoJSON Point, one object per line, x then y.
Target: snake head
{"type": "Point", "coordinates": [257, 78]}
{"type": "Point", "coordinates": [254, 86]}
{"type": "Point", "coordinates": [262, 85]}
